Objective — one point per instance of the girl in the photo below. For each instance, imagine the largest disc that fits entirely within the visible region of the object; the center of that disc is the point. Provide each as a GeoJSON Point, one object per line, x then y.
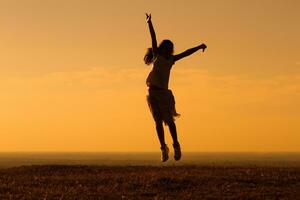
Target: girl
{"type": "Point", "coordinates": [160, 99]}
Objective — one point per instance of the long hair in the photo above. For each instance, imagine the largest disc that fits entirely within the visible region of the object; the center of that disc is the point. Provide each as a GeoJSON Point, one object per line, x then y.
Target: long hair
{"type": "Point", "coordinates": [148, 58]}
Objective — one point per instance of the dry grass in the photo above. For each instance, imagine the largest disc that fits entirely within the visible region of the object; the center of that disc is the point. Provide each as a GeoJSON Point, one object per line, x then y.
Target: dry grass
{"type": "Point", "coordinates": [149, 182]}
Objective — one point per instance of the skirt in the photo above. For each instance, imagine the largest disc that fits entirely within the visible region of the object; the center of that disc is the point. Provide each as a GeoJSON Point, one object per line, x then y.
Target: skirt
{"type": "Point", "coordinates": [162, 105]}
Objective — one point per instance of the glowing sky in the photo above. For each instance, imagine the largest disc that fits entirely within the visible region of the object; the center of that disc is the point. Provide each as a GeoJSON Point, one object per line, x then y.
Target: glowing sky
{"type": "Point", "coordinates": [72, 76]}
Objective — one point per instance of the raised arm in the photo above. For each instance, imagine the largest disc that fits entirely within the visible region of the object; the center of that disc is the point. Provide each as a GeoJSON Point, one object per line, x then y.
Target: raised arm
{"type": "Point", "coordinates": [189, 52]}
{"type": "Point", "coordinates": [152, 32]}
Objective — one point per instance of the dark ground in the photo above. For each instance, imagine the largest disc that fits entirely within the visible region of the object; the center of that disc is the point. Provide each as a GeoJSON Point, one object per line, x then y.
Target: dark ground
{"type": "Point", "coordinates": [149, 182]}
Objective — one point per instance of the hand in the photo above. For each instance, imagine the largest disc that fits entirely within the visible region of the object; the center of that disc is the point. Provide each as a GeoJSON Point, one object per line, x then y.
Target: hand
{"type": "Point", "coordinates": [148, 17]}
{"type": "Point", "coordinates": [203, 47]}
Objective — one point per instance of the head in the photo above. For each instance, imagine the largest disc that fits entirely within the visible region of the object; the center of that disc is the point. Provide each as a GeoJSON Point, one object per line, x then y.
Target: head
{"type": "Point", "coordinates": [165, 48]}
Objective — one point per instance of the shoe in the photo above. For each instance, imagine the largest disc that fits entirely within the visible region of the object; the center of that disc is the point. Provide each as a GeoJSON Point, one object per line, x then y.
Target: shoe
{"type": "Point", "coordinates": [164, 153]}
{"type": "Point", "coordinates": [177, 151]}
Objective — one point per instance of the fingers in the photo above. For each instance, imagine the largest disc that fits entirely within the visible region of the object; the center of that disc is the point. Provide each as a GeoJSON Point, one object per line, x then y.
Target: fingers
{"type": "Point", "coordinates": [203, 47]}
{"type": "Point", "coordinates": [148, 15]}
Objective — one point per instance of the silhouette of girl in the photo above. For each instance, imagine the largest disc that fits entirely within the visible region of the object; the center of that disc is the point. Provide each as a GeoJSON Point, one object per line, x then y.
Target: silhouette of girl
{"type": "Point", "coordinates": [160, 99]}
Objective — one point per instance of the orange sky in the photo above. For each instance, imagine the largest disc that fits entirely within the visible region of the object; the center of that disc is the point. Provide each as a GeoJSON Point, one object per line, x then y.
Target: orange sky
{"type": "Point", "coordinates": [72, 76]}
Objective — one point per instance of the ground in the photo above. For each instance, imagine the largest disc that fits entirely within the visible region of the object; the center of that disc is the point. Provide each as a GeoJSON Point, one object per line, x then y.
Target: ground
{"type": "Point", "coordinates": [149, 182]}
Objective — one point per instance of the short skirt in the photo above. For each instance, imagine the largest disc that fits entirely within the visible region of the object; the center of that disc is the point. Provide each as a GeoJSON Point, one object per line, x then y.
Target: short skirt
{"type": "Point", "coordinates": [162, 105]}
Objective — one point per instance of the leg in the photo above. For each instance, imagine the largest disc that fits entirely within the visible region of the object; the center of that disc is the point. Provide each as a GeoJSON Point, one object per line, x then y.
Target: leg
{"type": "Point", "coordinates": [161, 136]}
{"type": "Point", "coordinates": [176, 145]}
{"type": "Point", "coordinates": [153, 104]}
{"type": "Point", "coordinates": [160, 133]}
{"type": "Point", "coordinates": [173, 131]}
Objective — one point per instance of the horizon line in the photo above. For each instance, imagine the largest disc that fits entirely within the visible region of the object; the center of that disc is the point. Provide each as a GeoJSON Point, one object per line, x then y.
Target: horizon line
{"type": "Point", "coordinates": [297, 152]}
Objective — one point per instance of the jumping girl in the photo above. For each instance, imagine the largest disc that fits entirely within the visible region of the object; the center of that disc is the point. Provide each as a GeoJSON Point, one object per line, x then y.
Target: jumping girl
{"type": "Point", "coordinates": [160, 99]}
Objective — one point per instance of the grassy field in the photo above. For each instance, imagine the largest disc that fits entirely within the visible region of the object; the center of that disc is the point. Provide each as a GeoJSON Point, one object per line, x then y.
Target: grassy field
{"type": "Point", "coordinates": [149, 182]}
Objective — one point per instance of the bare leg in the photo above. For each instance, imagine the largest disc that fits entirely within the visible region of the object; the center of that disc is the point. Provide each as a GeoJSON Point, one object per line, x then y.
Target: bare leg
{"type": "Point", "coordinates": [160, 133]}
{"type": "Point", "coordinates": [173, 131]}
{"type": "Point", "coordinates": [161, 136]}
{"type": "Point", "coordinates": [176, 145]}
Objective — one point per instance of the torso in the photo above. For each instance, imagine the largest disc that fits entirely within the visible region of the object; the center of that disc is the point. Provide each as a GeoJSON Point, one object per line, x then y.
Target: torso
{"type": "Point", "coordinates": [160, 73]}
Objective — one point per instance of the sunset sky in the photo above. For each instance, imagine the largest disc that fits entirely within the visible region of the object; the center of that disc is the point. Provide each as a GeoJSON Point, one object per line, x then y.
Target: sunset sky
{"type": "Point", "coordinates": [72, 76]}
